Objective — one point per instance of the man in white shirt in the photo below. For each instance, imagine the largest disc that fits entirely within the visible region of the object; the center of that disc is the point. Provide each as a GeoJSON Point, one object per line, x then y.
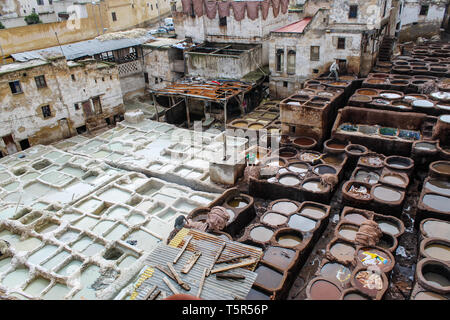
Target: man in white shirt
{"type": "Point", "coordinates": [334, 70]}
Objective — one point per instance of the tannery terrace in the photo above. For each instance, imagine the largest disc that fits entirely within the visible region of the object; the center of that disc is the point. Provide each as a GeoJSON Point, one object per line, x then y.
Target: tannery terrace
{"type": "Point", "coordinates": [224, 150]}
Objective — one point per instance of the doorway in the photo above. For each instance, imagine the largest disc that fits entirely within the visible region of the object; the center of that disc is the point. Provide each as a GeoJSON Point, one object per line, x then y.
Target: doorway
{"type": "Point", "coordinates": [10, 144]}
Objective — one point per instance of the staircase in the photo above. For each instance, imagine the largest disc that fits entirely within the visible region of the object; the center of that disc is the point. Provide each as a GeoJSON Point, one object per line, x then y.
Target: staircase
{"type": "Point", "coordinates": [386, 49]}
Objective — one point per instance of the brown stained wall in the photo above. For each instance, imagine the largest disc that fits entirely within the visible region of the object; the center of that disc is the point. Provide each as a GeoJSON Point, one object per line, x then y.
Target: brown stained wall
{"type": "Point", "coordinates": [425, 30]}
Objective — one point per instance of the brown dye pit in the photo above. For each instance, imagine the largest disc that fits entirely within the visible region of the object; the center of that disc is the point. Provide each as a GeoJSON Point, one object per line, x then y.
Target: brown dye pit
{"type": "Point", "coordinates": [324, 290]}
{"type": "Point", "coordinates": [437, 229]}
{"type": "Point", "coordinates": [274, 219]}
{"type": "Point", "coordinates": [368, 92]}
{"type": "Point", "coordinates": [256, 126]}
{"type": "Point", "coordinates": [333, 160]}
{"type": "Point", "coordinates": [304, 141]}
{"type": "Point", "coordinates": [301, 223]}
{"type": "Point", "coordinates": [342, 251]}
{"type": "Point", "coordinates": [237, 203]}
{"type": "Point", "coordinates": [355, 218]}
{"type": "Point", "coordinates": [376, 81]}
{"type": "Point", "coordinates": [289, 240]}
{"type": "Point", "coordinates": [240, 124]}
{"type": "Point", "coordinates": [438, 251]}
{"type": "Point", "coordinates": [437, 202]}
{"type": "Point", "coordinates": [428, 295]}
{"type": "Point", "coordinates": [268, 278]}
{"type": "Point", "coordinates": [336, 146]}
{"type": "Point", "coordinates": [348, 232]}
{"type": "Point", "coordinates": [439, 186]}
{"type": "Point", "coordinates": [261, 234]}
{"type": "Point", "coordinates": [354, 296]}
{"type": "Point", "coordinates": [285, 207]}
{"type": "Point", "coordinates": [386, 194]}
{"type": "Point", "coordinates": [313, 212]}
{"type": "Point", "coordinates": [336, 271]}
{"type": "Point", "coordinates": [287, 154]}
{"type": "Point", "coordinates": [442, 167]}
{"type": "Point", "coordinates": [280, 257]}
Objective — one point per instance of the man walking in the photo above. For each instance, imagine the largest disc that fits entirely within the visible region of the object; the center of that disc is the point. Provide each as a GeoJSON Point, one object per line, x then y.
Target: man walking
{"type": "Point", "coordinates": [334, 70]}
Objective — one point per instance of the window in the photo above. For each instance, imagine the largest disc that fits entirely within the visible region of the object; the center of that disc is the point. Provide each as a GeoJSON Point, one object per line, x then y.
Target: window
{"type": "Point", "coordinates": [156, 80]}
{"type": "Point", "coordinates": [73, 77]}
{"type": "Point", "coordinates": [285, 84]}
{"type": "Point", "coordinates": [222, 21]}
{"type": "Point", "coordinates": [400, 10]}
{"type": "Point", "coordinates": [76, 106]}
{"type": "Point", "coordinates": [315, 53]}
{"type": "Point", "coordinates": [146, 77]}
{"type": "Point", "coordinates": [279, 57]}
{"type": "Point", "coordinates": [24, 144]}
{"type": "Point", "coordinates": [384, 8]}
{"type": "Point", "coordinates": [353, 12]}
{"type": "Point", "coordinates": [114, 17]}
{"type": "Point", "coordinates": [46, 111]}
{"type": "Point", "coordinates": [151, 6]}
{"type": "Point", "coordinates": [50, 1]}
{"type": "Point", "coordinates": [40, 2]}
{"type": "Point", "coordinates": [40, 82]}
{"type": "Point", "coordinates": [341, 43]}
{"type": "Point", "coordinates": [292, 129]}
{"type": "Point", "coordinates": [15, 87]}
{"type": "Point", "coordinates": [424, 10]}
{"type": "Point", "coordinates": [291, 62]}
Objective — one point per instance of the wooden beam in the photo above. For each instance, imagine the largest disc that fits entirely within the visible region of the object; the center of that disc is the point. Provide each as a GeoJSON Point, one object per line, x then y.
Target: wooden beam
{"type": "Point", "coordinates": [234, 266]}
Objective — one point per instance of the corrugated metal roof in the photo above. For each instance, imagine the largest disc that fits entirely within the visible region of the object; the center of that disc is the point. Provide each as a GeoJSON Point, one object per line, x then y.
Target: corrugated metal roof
{"type": "Point", "coordinates": [81, 49]}
{"type": "Point", "coordinates": [208, 244]}
{"type": "Point", "coordinates": [296, 27]}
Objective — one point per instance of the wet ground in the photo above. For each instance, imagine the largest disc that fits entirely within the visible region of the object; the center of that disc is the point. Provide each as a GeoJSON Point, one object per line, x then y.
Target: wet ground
{"type": "Point", "coordinates": [401, 278]}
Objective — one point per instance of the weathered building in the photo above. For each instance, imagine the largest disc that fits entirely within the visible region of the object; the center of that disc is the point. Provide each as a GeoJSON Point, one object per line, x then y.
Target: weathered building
{"type": "Point", "coordinates": [72, 21]}
{"type": "Point", "coordinates": [223, 60]}
{"type": "Point", "coordinates": [247, 22]}
{"type": "Point", "coordinates": [47, 100]}
{"type": "Point", "coordinates": [350, 32]}
{"type": "Point", "coordinates": [421, 18]}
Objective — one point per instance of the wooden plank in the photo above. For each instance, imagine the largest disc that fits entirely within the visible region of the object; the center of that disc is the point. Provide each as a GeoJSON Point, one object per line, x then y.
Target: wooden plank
{"type": "Point", "coordinates": [202, 282]}
{"type": "Point", "coordinates": [182, 249]}
{"type": "Point", "coordinates": [171, 286]}
{"type": "Point", "coordinates": [234, 266]}
{"type": "Point", "coordinates": [190, 263]}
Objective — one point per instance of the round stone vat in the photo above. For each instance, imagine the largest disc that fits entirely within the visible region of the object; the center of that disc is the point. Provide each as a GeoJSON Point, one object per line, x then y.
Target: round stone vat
{"type": "Point", "coordinates": [322, 288]}
{"type": "Point", "coordinates": [436, 202]}
{"type": "Point", "coordinates": [390, 225]}
{"type": "Point", "coordinates": [440, 169]}
{"type": "Point", "coordinates": [259, 234]}
{"type": "Point", "coordinates": [387, 195]}
{"type": "Point", "coordinates": [364, 280]}
{"type": "Point", "coordinates": [314, 185]}
{"type": "Point", "coordinates": [287, 152]}
{"type": "Point", "coordinates": [357, 192]}
{"type": "Point", "coordinates": [305, 142]}
{"type": "Point", "coordinates": [336, 271]}
{"type": "Point", "coordinates": [376, 257]}
{"type": "Point", "coordinates": [299, 167]}
{"type": "Point", "coordinates": [274, 219]}
{"type": "Point", "coordinates": [388, 242]}
{"type": "Point", "coordinates": [391, 95]}
{"type": "Point", "coordinates": [310, 156]}
{"type": "Point", "coordinates": [428, 295]}
{"type": "Point", "coordinates": [434, 228]}
{"type": "Point", "coordinates": [436, 248]}
{"type": "Point", "coordinates": [355, 216]}
{"type": "Point", "coordinates": [437, 186]}
{"type": "Point", "coordinates": [356, 150]}
{"type": "Point", "coordinates": [434, 275]}
{"type": "Point", "coordinates": [334, 146]}
{"type": "Point", "coordinates": [372, 160]}
{"type": "Point", "coordinates": [289, 180]}
{"type": "Point", "coordinates": [280, 257]}
{"type": "Point", "coordinates": [399, 163]}
{"type": "Point", "coordinates": [284, 206]}
{"type": "Point", "coordinates": [367, 92]}
{"type": "Point", "coordinates": [334, 159]}
{"type": "Point", "coordinates": [239, 123]}
{"type": "Point", "coordinates": [275, 162]}
{"type": "Point", "coordinates": [269, 278]}
{"type": "Point", "coordinates": [342, 251]}
{"type": "Point", "coordinates": [314, 210]}
{"type": "Point", "coordinates": [289, 238]}
{"type": "Point", "coordinates": [354, 294]}
{"type": "Point", "coordinates": [346, 231]}
{"type": "Point", "coordinates": [395, 179]}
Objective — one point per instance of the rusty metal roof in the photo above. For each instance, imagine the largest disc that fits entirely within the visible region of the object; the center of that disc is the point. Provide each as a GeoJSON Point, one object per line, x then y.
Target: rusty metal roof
{"type": "Point", "coordinates": [296, 27]}
{"type": "Point", "coordinates": [202, 89]}
{"type": "Point", "coordinates": [208, 244]}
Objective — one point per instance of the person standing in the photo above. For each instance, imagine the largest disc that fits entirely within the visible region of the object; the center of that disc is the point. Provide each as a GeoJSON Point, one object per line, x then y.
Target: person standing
{"type": "Point", "coordinates": [334, 68]}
